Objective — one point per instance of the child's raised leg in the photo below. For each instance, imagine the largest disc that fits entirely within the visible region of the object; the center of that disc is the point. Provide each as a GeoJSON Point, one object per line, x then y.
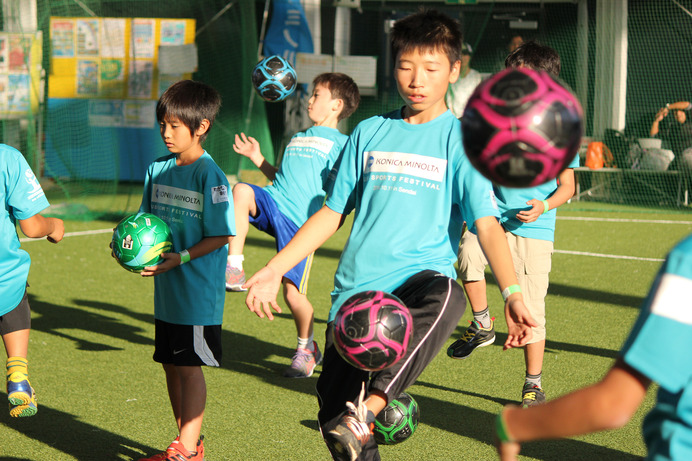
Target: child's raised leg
{"type": "Point", "coordinates": [307, 355]}
{"type": "Point", "coordinates": [244, 206]}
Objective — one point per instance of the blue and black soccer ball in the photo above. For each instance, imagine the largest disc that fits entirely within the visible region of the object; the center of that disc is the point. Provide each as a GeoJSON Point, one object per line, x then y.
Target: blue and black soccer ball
{"type": "Point", "coordinates": [274, 79]}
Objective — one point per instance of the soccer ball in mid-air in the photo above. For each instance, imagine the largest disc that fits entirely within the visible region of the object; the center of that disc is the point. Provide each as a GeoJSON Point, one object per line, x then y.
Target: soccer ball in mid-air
{"type": "Point", "coordinates": [372, 330]}
{"type": "Point", "coordinates": [274, 78]}
{"type": "Point", "coordinates": [521, 127]}
{"type": "Point", "coordinates": [139, 240]}
{"type": "Point", "coordinates": [398, 421]}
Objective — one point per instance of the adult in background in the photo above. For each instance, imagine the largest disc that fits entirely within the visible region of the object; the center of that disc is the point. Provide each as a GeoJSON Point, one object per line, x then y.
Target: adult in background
{"type": "Point", "coordinates": [460, 91]}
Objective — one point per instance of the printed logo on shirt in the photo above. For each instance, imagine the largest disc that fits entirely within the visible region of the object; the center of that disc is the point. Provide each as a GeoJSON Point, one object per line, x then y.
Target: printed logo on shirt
{"type": "Point", "coordinates": [177, 197]}
{"type": "Point", "coordinates": [36, 190]}
{"type": "Point", "coordinates": [419, 166]}
{"type": "Point", "coordinates": [671, 298]}
{"type": "Point", "coordinates": [219, 194]}
{"type": "Point", "coordinates": [301, 145]}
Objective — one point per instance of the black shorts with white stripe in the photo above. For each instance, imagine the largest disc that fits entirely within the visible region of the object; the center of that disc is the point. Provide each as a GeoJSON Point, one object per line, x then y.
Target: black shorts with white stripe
{"type": "Point", "coordinates": [187, 345]}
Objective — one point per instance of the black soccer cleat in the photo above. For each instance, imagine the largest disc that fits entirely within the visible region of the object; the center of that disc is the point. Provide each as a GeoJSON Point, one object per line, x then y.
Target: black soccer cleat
{"type": "Point", "coordinates": [474, 336]}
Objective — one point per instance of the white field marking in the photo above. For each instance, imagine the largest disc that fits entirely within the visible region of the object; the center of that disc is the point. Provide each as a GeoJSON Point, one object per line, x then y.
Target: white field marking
{"type": "Point", "coordinates": [578, 253]}
{"type": "Point", "coordinates": [603, 255]}
{"type": "Point", "coordinates": [645, 221]}
{"type": "Point", "coordinates": [71, 234]}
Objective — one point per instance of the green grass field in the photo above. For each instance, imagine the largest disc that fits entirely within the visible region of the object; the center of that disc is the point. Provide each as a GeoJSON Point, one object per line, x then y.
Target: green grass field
{"type": "Point", "coordinates": [102, 397]}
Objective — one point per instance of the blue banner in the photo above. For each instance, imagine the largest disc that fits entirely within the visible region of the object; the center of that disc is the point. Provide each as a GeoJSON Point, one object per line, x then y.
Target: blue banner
{"type": "Point", "coordinates": [288, 31]}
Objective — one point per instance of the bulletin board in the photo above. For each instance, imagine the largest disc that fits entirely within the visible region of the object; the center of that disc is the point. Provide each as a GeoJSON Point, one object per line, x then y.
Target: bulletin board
{"type": "Point", "coordinates": [113, 57]}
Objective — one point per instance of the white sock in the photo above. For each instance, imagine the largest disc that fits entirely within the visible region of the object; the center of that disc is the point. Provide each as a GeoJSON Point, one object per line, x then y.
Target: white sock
{"type": "Point", "coordinates": [307, 343]}
{"type": "Point", "coordinates": [236, 261]}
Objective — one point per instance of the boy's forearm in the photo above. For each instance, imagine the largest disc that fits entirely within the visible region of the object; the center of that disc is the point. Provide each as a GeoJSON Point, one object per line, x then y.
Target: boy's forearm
{"type": "Point", "coordinates": [564, 191]}
{"type": "Point", "coordinates": [316, 230]}
{"type": "Point", "coordinates": [493, 241]}
{"type": "Point", "coordinates": [206, 246]}
{"type": "Point", "coordinates": [267, 169]}
{"type": "Point", "coordinates": [37, 226]}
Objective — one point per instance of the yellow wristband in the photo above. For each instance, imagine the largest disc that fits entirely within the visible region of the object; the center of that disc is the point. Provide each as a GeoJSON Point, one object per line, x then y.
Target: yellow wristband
{"type": "Point", "coordinates": [509, 290]}
{"type": "Point", "coordinates": [546, 207]}
{"type": "Point", "coordinates": [184, 257]}
{"type": "Point", "coordinates": [501, 429]}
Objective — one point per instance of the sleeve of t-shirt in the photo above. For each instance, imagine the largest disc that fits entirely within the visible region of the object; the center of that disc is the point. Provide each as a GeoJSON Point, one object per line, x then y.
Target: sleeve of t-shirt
{"type": "Point", "coordinates": [665, 358]}
{"type": "Point", "coordinates": [218, 205]}
{"type": "Point", "coordinates": [24, 193]}
{"type": "Point", "coordinates": [344, 177]}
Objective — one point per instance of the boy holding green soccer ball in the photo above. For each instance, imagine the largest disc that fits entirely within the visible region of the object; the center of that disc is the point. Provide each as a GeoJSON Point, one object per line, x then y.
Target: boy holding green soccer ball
{"type": "Point", "coordinates": [189, 192]}
{"type": "Point", "coordinates": [24, 199]}
{"type": "Point", "coordinates": [405, 176]}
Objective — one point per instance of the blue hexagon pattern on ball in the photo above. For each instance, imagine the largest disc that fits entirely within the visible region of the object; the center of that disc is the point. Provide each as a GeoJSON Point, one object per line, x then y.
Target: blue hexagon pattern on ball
{"type": "Point", "coordinates": [274, 79]}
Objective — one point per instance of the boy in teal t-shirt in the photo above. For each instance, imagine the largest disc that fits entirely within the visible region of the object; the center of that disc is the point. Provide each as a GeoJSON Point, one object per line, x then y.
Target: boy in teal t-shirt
{"type": "Point", "coordinates": [406, 178]}
{"type": "Point", "coordinates": [190, 193]}
{"type": "Point", "coordinates": [528, 218]}
{"type": "Point", "coordinates": [296, 193]}
{"type": "Point", "coordinates": [23, 200]}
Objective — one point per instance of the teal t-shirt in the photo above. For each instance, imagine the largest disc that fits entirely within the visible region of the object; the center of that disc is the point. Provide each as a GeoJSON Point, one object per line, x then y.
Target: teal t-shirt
{"type": "Point", "coordinates": [411, 186]}
{"type": "Point", "coordinates": [659, 347]}
{"type": "Point", "coordinates": [299, 186]}
{"type": "Point", "coordinates": [194, 201]}
{"type": "Point", "coordinates": [23, 198]}
{"type": "Point", "coordinates": [512, 200]}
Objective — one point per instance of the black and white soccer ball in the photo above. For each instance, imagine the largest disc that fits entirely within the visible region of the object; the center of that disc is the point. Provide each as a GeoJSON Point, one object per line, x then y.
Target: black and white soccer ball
{"type": "Point", "coordinates": [274, 79]}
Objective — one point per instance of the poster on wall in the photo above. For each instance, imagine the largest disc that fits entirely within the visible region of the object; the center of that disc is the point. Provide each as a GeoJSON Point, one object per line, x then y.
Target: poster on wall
{"type": "Point", "coordinates": [113, 38]}
{"type": "Point", "coordinates": [142, 38]}
{"type": "Point", "coordinates": [62, 37]}
{"type": "Point", "coordinates": [87, 37]}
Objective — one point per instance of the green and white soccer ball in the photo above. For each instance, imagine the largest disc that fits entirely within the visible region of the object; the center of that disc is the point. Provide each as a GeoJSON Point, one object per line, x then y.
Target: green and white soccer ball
{"type": "Point", "coordinates": [398, 421]}
{"type": "Point", "coordinates": [139, 240]}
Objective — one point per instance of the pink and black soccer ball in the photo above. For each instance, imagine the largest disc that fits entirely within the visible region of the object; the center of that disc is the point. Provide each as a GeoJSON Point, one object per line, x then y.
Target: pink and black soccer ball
{"type": "Point", "coordinates": [274, 78]}
{"type": "Point", "coordinates": [372, 330]}
{"type": "Point", "coordinates": [521, 127]}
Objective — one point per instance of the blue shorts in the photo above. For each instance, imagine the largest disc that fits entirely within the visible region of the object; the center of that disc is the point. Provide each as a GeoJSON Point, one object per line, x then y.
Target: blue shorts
{"type": "Point", "coordinates": [273, 222]}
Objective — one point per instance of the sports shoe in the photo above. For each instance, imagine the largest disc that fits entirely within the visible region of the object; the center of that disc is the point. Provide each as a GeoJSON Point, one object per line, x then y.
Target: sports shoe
{"type": "Point", "coordinates": [163, 456]}
{"type": "Point", "coordinates": [474, 336]}
{"type": "Point", "coordinates": [235, 278]}
{"type": "Point", "coordinates": [176, 452]}
{"type": "Point", "coordinates": [21, 396]}
{"type": "Point", "coordinates": [532, 395]}
{"type": "Point", "coordinates": [304, 363]}
{"type": "Point", "coordinates": [347, 439]}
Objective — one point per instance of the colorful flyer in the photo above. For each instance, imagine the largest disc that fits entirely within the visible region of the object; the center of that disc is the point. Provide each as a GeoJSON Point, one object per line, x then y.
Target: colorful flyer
{"type": "Point", "coordinates": [112, 78]}
{"type": "Point", "coordinates": [19, 47]}
{"type": "Point", "coordinates": [172, 32]}
{"type": "Point", "coordinates": [141, 79]}
{"type": "Point", "coordinates": [18, 96]}
{"type": "Point", "coordinates": [87, 37]}
{"type": "Point", "coordinates": [87, 78]}
{"type": "Point", "coordinates": [113, 38]}
{"type": "Point", "coordinates": [62, 37]}
{"type": "Point", "coordinates": [142, 38]}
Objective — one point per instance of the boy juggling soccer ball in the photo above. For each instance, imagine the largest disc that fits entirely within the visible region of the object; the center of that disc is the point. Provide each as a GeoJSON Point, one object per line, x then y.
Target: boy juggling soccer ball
{"type": "Point", "coordinates": [528, 218]}
{"type": "Point", "coordinates": [296, 193]}
{"type": "Point", "coordinates": [611, 403]}
{"type": "Point", "coordinates": [406, 177]}
{"type": "Point", "coordinates": [190, 193]}
{"type": "Point", "coordinates": [24, 199]}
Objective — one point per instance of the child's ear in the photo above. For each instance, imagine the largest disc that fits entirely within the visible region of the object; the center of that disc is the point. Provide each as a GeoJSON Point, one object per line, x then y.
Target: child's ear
{"type": "Point", "coordinates": [454, 74]}
{"type": "Point", "coordinates": [337, 105]}
{"type": "Point", "coordinates": [203, 127]}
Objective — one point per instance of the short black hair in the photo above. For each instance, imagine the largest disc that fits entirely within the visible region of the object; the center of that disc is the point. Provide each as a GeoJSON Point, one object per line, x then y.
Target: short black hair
{"type": "Point", "coordinates": [427, 30]}
{"type": "Point", "coordinates": [341, 86]}
{"type": "Point", "coordinates": [190, 102]}
{"type": "Point", "coordinates": [535, 56]}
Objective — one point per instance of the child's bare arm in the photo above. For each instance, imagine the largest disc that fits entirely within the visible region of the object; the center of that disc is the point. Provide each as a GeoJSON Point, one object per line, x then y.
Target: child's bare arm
{"type": "Point", "coordinates": [247, 146]}
{"type": "Point", "coordinates": [564, 192]}
{"type": "Point", "coordinates": [172, 260]}
{"type": "Point", "coordinates": [38, 226]}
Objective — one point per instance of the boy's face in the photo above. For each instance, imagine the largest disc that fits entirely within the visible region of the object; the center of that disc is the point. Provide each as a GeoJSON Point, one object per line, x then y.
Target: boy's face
{"type": "Point", "coordinates": [422, 78]}
{"type": "Point", "coordinates": [321, 106]}
{"type": "Point", "coordinates": [176, 135]}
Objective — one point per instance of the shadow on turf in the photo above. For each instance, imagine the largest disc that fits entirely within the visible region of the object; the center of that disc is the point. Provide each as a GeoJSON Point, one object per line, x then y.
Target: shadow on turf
{"type": "Point", "coordinates": [480, 425]}
{"type": "Point", "coordinates": [65, 433]}
{"type": "Point", "coordinates": [55, 320]}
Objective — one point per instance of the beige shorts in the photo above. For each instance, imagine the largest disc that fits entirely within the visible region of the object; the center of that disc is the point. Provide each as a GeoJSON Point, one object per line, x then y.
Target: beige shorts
{"type": "Point", "coordinates": [532, 264]}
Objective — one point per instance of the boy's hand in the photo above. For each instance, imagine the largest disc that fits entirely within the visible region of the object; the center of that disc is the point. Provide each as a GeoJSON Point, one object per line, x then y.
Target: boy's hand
{"type": "Point", "coordinates": [170, 261]}
{"type": "Point", "coordinates": [537, 209]}
{"type": "Point", "coordinates": [58, 230]}
{"type": "Point", "coordinates": [247, 146]}
{"type": "Point", "coordinates": [508, 451]}
{"type": "Point", "coordinates": [262, 290]}
{"type": "Point", "coordinates": [519, 323]}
